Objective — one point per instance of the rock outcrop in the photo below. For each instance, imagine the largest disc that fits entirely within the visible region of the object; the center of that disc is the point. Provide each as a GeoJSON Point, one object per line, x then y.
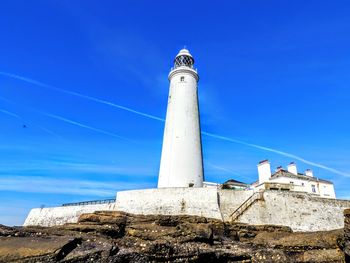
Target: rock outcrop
{"type": "Point", "coordinates": [120, 237]}
{"type": "Point", "coordinates": [347, 234]}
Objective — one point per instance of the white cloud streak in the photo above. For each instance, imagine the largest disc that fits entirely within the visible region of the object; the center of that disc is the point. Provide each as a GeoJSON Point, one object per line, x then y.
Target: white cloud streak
{"type": "Point", "coordinates": [37, 184]}
{"type": "Point", "coordinates": [10, 114]}
{"type": "Point", "coordinates": [293, 156]}
{"type": "Point", "coordinates": [75, 123]}
{"type": "Point", "coordinates": [216, 136]}
{"type": "Point", "coordinates": [108, 103]}
{"type": "Point", "coordinates": [65, 167]}
{"type": "Point", "coordinates": [22, 119]}
{"type": "Point", "coordinates": [60, 118]}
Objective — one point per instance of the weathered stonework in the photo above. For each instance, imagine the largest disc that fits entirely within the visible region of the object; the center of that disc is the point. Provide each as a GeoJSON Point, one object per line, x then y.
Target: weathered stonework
{"type": "Point", "coordinates": [53, 216]}
{"type": "Point", "coordinates": [170, 201]}
{"type": "Point", "coordinates": [299, 211]}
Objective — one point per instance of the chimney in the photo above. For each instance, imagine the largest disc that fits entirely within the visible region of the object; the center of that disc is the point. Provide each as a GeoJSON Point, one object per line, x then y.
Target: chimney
{"type": "Point", "coordinates": [264, 171]}
{"type": "Point", "coordinates": [309, 172]}
{"type": "Point", "coordinates": [292, 168]}
{"type": "Point", "coordinates": [279, 168]}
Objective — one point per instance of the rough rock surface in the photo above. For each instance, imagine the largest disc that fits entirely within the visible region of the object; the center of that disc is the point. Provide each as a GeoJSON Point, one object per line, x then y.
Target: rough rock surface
{"type": "Point", "coordinates": [120, 237]}
{"type": "Point", "coordinates": [347, 234]}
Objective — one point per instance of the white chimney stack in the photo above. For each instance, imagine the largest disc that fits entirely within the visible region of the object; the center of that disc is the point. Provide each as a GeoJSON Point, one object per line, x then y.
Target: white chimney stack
{"type": "Point", "coordinates": [264, 171]}
{"type": "Point", "coordinates": [292, 168]}
{"type": "Point", "coordinates": [309, 172]}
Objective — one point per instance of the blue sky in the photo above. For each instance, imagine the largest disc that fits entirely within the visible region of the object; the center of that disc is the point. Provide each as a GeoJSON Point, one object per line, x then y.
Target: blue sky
{"type": "Point", "coordinates": [274, 84]}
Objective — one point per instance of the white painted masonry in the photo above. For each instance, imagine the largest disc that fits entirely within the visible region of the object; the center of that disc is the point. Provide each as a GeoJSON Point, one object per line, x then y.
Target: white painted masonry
{"type": "Point", "coordinates": [264, 171]}
{"type": "Point", "coordinates": [181, 162]}
{"type": "Point", "coordinates": [52, 216]}
{"type": "Point", "coordinates": [171, 201]}
{"type": "Point", "coordinates": [292, 168]}
{"type": "Point", "coordinates": [300, 211]}
{"type": "Point", "coordinates": [292, 180]}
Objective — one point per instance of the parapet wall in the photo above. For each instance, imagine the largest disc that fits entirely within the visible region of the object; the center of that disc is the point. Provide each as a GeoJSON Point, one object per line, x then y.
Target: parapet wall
{"type": "Point", "coordinates": [170, 201]}
{"type": "Point", "coordinates": [300, 211]}
{"type": "Point", "coordinates": [61, 215]}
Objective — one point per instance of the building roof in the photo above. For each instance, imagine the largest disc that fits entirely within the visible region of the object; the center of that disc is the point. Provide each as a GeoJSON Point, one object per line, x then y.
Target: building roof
{"type": "Point", "coordinates": [235, 182]}
{"type": "Point", "coordinates": [285, 173]}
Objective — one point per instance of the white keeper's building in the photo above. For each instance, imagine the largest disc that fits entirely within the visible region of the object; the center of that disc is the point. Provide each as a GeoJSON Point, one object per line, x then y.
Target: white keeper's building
{"type": "Point", "coordinates": [292, 180]}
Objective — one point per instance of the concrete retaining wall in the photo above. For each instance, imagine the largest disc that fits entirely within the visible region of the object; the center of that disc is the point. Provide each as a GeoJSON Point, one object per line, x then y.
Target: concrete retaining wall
{"type": "Point", "coordinates": [170, 201]}
{"type": "Point", "coordinates": [300, 211]}
{"type": "Point", "coordinates": [230, 200]}
{"type": "Point", "coordinates": [53, 216]}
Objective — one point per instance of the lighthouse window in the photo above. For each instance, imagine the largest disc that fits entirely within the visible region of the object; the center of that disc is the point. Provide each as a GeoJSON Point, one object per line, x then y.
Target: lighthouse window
{"type": "Point", "coordinates": [182, 78]}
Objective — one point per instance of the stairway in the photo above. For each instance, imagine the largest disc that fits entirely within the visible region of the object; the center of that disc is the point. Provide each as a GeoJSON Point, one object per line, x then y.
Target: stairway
{"type": "Point", "coordinates": [246, 204]}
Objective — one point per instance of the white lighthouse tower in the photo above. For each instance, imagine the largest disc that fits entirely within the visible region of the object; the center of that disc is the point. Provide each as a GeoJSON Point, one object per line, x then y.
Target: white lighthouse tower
{"type": "Point", "coordinates": [181, 162]}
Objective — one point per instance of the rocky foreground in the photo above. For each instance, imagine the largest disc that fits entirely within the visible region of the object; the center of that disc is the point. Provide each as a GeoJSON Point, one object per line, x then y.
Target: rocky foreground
{"type": "Point", "coordinates": [121, 237]}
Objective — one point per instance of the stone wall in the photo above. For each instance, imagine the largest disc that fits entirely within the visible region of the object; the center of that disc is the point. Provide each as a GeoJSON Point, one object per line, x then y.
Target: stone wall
{"type": "Point", "coordinates": [53, 216]}
{"type": "Point", "coordinates": [170, 201]}
{"type": "Point", "coordinates": [230, 200]}
{"type": "Point", "coordinates": [300, 211]}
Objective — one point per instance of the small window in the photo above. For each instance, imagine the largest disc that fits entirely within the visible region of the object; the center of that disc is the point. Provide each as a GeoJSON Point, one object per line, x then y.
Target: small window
{"type": "Point", "coordinates": [291, 182]}
{"type": "Point", "coordinates": [182, 78]}
{"type": "Point", "coordinates": [313, 187]}
{"type": "Point", "coordinates": [302, 184]}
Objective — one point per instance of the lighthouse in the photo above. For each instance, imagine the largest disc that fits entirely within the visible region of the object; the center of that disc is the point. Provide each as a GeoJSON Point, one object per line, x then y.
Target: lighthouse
{"type": "Point", "coordinates": [181, 163]}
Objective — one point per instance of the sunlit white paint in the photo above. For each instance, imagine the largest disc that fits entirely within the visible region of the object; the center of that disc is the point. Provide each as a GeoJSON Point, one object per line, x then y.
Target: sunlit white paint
{"type": "Point", "coordinates": [264, 171]}
{"type": "Point", "coordinates": [181, 162]}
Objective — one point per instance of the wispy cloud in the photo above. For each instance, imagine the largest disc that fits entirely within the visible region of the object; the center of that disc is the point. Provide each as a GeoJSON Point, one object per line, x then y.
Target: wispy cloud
{"type": "Point", "coordinates": [77, 167]}
{"type": "Point", "coordinates": [140, 113]}
{"type": "Point", "coordinates": [75, 123]}
{"type": "Point", "coordinates": [222, 168]}
{"type": "Point", "coordinates": [226, 170]}
{"type": "Point", "coordinates": [34, 82]}
{"type": "Point", "coordinates": [14, 115]}
{"type": "Point", "coordinates": [290, 155]}
{"type": "Point", "coordinates": [10, 114]}
{"type": "Point", "coordinates": [37, 184]}
{"type": "Point", "coordinates": [66, 120]}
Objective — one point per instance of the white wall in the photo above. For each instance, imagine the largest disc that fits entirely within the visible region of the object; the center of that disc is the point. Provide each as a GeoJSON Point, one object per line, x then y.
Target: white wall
{"type": "Point", "coordinates": [52, 216]}
{"type": "Point", "coordinates": [321, 189]}
{"type": "Point", "coordinates": [170, 201]}
{"type": "Point", "coordinates": [326, 190]}
{"type": "Point", "coordinates": [264, 171]}
{"type": "Point", "coordinates": [300, 211]}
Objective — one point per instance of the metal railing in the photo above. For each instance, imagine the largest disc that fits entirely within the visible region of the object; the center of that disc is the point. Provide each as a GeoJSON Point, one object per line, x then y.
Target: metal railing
{"type": "Point", "coordinates": [246, 204]}
{"type": "Point", "coordinates": [93, 202]}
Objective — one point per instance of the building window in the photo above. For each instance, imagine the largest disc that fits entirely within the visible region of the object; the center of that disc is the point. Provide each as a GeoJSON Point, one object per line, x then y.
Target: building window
{"type": "Point", "coordinates": [291, 182]}
{"type": "Point", "coordinates": [182, 78]}
{"type": "Point", "coordinates": [313, 188]}
{"type": "Point", "coordinates": [302, 184]}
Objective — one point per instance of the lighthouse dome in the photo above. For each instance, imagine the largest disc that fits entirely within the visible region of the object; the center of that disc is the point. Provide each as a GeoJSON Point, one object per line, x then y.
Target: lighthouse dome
{"type": "Point", "coordinates": [184, 52]}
